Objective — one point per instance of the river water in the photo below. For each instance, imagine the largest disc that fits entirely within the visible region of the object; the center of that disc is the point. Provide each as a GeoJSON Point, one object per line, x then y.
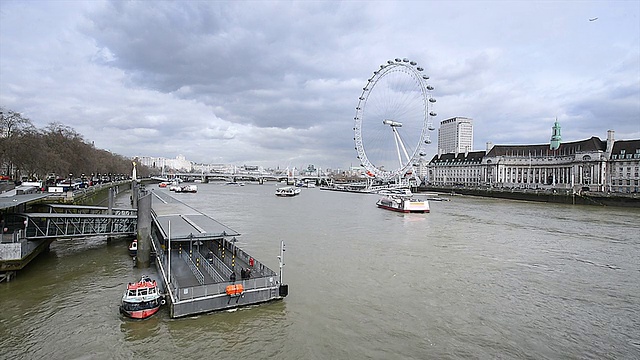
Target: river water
{"type": "Point", "coordinates": [476, 278]}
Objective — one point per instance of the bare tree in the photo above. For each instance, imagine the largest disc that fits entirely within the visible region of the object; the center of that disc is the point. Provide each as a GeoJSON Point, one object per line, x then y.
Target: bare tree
{"type": "Point", "coordinates": [28, 152]}
{"type": "Point", "coordinates": [11, 123]}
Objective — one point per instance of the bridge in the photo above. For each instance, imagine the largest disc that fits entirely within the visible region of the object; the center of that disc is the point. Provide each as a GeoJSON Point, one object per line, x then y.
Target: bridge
{"type": "Point", "coordinates": [238, 176]}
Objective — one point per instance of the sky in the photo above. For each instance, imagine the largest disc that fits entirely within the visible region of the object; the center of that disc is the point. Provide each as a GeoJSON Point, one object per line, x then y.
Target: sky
{"type": "Point", "coordinates": [276, 83]}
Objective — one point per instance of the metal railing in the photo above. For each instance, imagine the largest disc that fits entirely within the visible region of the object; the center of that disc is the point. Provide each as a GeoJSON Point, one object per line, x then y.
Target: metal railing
{"type": "Point", "coordinates": [217, 277]}
{"type": "Point", "coordinates": [194, 292]}
{"type": "Point", "coordinates": [193, 267]}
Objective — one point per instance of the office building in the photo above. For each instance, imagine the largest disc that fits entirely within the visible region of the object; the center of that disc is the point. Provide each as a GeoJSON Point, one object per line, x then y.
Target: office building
{"type": "Point", "coordinates": [455, 135]}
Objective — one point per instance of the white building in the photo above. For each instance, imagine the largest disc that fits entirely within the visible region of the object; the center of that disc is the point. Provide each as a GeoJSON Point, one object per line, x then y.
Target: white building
{"type": "Point", "coordinates": [455, 135]}
{"type": "Point", "coordinates": [179, 163]}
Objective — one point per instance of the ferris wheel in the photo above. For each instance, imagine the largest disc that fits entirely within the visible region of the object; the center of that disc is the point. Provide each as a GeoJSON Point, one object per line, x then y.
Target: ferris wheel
{"type": "Point", "coordinates": [393, 120]}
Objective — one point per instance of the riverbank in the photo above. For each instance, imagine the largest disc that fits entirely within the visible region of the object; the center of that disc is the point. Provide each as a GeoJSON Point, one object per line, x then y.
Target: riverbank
{"type": "Point", "coordinates": [551, 196]}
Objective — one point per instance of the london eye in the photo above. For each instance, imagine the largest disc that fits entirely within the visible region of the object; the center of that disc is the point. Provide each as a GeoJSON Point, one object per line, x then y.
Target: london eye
{"type": "Point", "coordinates": [393, 121]}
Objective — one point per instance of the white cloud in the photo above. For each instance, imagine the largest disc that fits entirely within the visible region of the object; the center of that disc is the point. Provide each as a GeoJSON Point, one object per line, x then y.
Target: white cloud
{"type": "Point", "coordinates": [275, 83]}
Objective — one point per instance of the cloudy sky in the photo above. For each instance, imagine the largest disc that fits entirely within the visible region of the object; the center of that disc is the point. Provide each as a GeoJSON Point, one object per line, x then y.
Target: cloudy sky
{"type": "Point", "coordinates": [276, 83]}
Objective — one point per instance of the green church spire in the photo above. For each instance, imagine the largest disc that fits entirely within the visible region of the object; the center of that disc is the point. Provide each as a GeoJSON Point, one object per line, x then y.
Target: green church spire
{"type": "Point", "coordinates": [555, 136]}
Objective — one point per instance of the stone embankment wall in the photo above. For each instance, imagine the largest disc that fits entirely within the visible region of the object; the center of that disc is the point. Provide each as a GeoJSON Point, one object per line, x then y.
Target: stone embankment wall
{"type": "Point", "coordinates": [557, 196]}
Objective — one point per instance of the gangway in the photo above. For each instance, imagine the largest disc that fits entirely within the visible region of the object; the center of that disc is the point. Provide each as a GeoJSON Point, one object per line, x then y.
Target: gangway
{"type": "Point", "coordinates": [85, 209]}
{"type": "Point", "coordinates": [27, 234]}
{"type": "Point", "coordinates": [56, 225]}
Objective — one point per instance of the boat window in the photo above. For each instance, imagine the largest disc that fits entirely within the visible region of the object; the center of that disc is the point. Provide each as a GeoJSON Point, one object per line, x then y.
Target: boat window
{"type": "Point", "coordinates": [132, 293]}
{"type": "Point", "coordinates": [142, 291]}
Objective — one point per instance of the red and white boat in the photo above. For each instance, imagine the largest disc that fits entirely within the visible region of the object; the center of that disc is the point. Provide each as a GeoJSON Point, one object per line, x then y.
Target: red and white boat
{"type": "Point", "coordinates": [404, 204]}
{"type": "Point", "coordinates": [141, 299]}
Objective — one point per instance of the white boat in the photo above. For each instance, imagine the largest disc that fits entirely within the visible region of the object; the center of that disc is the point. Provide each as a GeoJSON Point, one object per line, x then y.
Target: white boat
{"type": "Point", "coordinates": [306, 184]}
{"type": "Point", "coordinates": [404, 204]}
{"type": "Point", "coordinates": [392, 191]}
{"type": "Point", "coordinates": [287, 191]}
{"type": "Point", "coordinates": [189, 189]}
{"type": "Point", "coordinates": [133, 248]}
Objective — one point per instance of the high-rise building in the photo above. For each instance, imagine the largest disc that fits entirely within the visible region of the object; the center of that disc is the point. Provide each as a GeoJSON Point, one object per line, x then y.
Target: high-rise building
{"type": "Point", "coordinates": [455, 135]}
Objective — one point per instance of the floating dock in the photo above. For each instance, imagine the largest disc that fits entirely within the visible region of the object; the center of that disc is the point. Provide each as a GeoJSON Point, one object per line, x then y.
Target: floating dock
{"type": "Point", "coordinates": [202, 268]}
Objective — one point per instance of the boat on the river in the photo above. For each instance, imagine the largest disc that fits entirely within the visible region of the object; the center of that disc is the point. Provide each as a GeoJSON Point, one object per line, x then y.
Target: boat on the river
{"type": "Point", "coordinates": [133, 248]}
{"type": "Point", "coordinates": [141, 299]}
{"type": "Point", "coordinates": [187, 189]}
{"type": "Point", "coordinates": [288, 191]}
{"type": "Point", "coordinates": [404, 204]}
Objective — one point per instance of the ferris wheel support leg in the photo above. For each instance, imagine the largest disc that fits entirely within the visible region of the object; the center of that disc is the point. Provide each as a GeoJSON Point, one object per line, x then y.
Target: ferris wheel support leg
{"type": "Point", "coordinates": [396, 137]}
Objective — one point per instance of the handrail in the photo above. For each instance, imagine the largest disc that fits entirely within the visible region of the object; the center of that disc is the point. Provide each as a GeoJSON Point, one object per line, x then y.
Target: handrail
{"type": "Point", "coordinates": [193, 268]}
{"type": "Point", "coordinates": [226, 270]}
{"type": "Point", "coordinates": [257, 284]}
{"type": "Point", "coordinates": [210, 269]}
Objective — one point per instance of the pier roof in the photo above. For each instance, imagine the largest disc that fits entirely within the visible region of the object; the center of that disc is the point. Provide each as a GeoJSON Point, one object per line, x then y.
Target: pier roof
{"type": "Point", "coordinates": [7, 202]}
{"type": "Point", "coordinates": [185, 222]}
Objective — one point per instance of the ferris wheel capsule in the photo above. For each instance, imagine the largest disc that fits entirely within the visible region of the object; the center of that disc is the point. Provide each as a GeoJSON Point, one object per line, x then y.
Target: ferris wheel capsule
{"type": "Point", "coordinates": [413, 63]}
{"type": "Point", "coordinates": [419, 69]}
{"type": "Point", "coordinates": [429, 87]}
{"type": "Point", "coordinates": [398, 60]}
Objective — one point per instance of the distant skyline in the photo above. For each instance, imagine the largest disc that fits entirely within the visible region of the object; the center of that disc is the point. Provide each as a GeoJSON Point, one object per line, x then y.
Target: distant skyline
{"type": "Point", "coordinates": [275, 84]}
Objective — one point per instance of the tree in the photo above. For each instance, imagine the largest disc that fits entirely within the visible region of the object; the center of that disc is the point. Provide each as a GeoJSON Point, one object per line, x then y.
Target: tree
{"type": "Point", "coordinates": [29, 152]}
{"type": "Point", "coordinates": [11, 124]}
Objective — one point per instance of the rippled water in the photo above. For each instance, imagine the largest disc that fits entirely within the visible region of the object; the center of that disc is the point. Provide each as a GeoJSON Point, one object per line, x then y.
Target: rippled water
{"type": "Point", "coordinates": [475, 278]}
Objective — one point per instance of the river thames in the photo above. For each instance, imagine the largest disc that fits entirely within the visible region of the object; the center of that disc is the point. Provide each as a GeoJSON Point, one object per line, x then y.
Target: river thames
{"type": "Point", "coordinates": [476, 278]}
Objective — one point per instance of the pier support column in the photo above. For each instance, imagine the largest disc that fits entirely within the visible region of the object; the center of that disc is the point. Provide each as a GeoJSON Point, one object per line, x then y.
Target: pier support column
{"type": "Point", "coordinates": [144, 231]}
{"type": "Point", "coordinates": [134, 194]}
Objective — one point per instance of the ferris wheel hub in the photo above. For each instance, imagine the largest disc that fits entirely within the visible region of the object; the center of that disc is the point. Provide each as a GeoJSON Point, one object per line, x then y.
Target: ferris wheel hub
{"type": "Point", "coordinates": [392, 123]}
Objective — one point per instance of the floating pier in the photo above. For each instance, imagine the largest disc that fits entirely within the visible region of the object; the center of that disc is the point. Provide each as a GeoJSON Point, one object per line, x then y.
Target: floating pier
{"type": "Point", "coordinates": [202, 268]}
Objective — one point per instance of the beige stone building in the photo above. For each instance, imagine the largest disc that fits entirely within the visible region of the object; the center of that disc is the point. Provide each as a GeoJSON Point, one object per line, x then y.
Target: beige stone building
{"type": "Point", "coordinates": [585, 165]}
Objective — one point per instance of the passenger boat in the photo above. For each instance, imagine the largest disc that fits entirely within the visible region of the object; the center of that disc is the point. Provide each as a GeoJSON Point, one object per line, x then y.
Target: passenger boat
{"type": "Point", "coordinates": [404, 204]}
{"type": "Point", "coordinates": [133, 248]}
{"type": "Point", "coordinates": [288, 191]}
{"type": "Point", "coordinates": [141, 299]}
{"type": "Point", "coordinates": [188, 189]}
